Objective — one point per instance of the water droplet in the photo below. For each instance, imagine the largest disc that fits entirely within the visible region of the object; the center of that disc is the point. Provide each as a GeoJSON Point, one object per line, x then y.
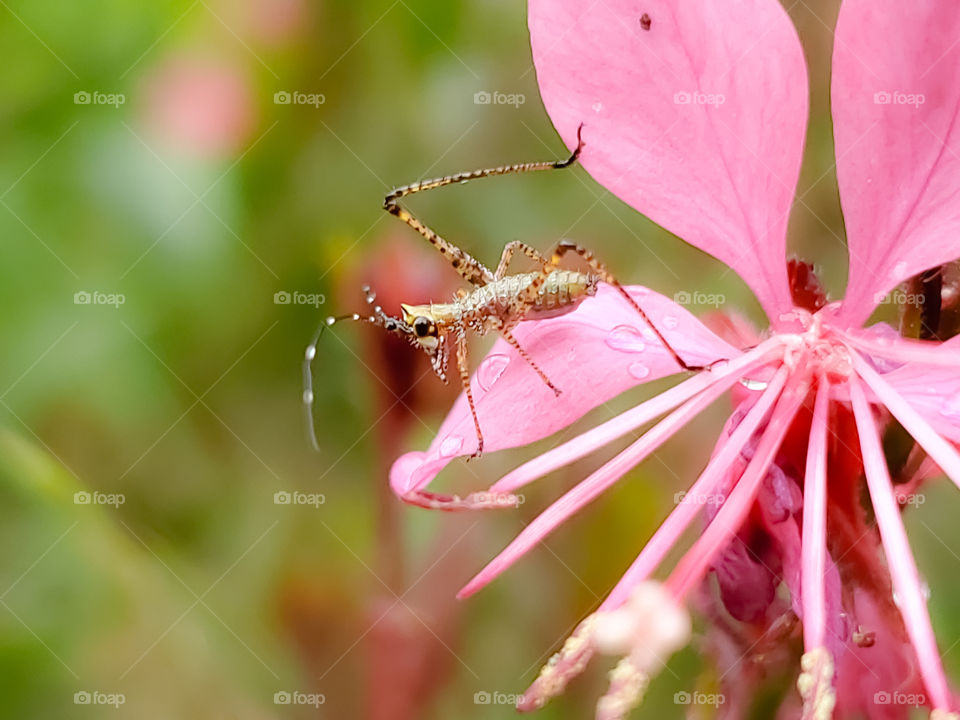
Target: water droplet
{"type": "Point", "coordinates": [639, 371]}
{"type": "Point", "coordinates": [670, 322]}
{"type": "Point", "coordinates": [924, 593]}
{"type": "Point", "coordinates": [597, 107]}
{"type": "Point", "coordinates": [450, 446]}
{"type": "Point", "coordinates": [951, 408]}
{"type": "Point", "coordinates": [754, 384]}
{"type": "Point", "coordinates": [307, 396]}
{"type": "Point", "coordinates": [330, 321]}
{"type": "Point", "coordinates": [719, 366]}
{"type": "Point", "coordinates": [626, 339]}
{"type": "Point", "coordinates": [900, 269]}
{"type": "Point", "coordinates": [311, 352]}
{"type": "Point", "coordinates": [491, 369]}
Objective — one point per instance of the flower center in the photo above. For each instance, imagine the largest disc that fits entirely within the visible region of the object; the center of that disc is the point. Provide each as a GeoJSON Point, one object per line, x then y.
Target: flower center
{"type": "Point", "coordinates": [813, 347]}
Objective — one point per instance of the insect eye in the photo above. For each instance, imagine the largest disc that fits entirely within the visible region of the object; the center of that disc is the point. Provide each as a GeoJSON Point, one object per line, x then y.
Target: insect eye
{"type": "Point", "coordinates": [421, 326]}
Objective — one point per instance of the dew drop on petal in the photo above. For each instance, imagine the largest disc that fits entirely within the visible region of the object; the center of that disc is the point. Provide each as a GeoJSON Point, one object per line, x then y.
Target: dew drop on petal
{"type": "Point", "coordinates": [491, 369]}
{"type": "Point", "coordinates": [670, 322]}
{"type": "Point", "coordinates": [597, 107]}
{"type": "Point", "coordinates": [900, 269]}
{"type": "Point", "coordinates": [951, 408]}
{"type": "Point", "coordinates": [924, 593]}
{"type": "Point", "coordinates": [451, 446]}
{"type": "Point", "coordinates": [639, 371]}
{"type": "Point", "coordinates": [626, 339]}
{"type": "Point", "coordinates": [719, 365]}
{"type": "Point", "coordinates": [754, 384]}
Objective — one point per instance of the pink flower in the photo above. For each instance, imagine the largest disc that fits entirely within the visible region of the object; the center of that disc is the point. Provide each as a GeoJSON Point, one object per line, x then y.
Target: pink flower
{"type": "Point", "coordinates": [695, 114]}
{"type": "Point", "coordinates": [199, 105]}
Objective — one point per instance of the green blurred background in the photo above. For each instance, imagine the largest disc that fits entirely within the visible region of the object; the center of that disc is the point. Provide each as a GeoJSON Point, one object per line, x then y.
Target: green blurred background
{"type": "Point", "coordinates": [148, 160]}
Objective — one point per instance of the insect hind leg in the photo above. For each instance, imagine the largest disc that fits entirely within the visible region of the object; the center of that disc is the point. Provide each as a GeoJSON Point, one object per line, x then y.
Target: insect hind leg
{"type": "Point", "coordinates": [510, 250]}
{"type": "Point", "coordinates": [468, 267]}
{"type": "Point", "coordinates": [464, 369]}
{"type": "Point", "coordinates": [565, 246]}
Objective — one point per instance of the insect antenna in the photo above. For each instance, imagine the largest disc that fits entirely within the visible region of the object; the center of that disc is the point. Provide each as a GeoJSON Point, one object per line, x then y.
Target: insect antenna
{"type": "Point", "coordinates": [378, 318]}
{"type": "Point", "coordinates": [308, 356]}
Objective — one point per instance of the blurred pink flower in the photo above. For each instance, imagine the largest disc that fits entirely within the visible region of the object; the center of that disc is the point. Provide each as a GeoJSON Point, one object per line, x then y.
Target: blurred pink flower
{"type": "Point", "coordinates": [200, 106]}
{"type": "Point", "coordinates": [695, 114]}
{"type": "Point", "coordinates": [271, 22]}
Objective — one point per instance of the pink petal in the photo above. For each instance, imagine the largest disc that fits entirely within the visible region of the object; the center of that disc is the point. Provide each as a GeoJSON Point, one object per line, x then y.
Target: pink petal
{"type": "Point", "coordinates": [626, 422]}
{"type": "Point", "coordinates": [691, 568]}
{"type": "Point", "coordinates": [698, 122]}
{"type": "Point", "coordinates": [588, 490]}
{"type": "Point", "coordinates": [895, 113]}
{"type": "Point", "coordinates": [704, 489]}
{"type": "Point", "coordinates": [927, 380]}
{"type": "Point", "coordinates": [903, 569]}
{"type": "Point", "coordinates": [941, 451]}
{"type": "Point", "coordinates": [592, 354]}
{"type": "Point", "coordinates": [890, 657]}
{"type": "Point", "coordinates": [904, 350]}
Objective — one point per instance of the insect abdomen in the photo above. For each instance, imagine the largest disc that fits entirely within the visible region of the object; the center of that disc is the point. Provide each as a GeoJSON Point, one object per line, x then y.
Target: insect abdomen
{"type": "Point", "coordinates": [562, 289]}
{"type": "Point", "coordinates": [560, 292]}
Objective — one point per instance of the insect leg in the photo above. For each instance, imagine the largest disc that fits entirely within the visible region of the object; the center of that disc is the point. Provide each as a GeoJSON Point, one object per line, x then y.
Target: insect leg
{"type": "Point", "coordinates": [522, 303]}
{"type": "Point", "coordinates": [465, 381]}
{"type": "Point", "coordinates": [509, 251]}
{"type": "Point", "coordinates": [566, 246]}
{"type": "Point", "coordinates": [508, 336]}
{"type": "Point", "coordinates": [470, 269]}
